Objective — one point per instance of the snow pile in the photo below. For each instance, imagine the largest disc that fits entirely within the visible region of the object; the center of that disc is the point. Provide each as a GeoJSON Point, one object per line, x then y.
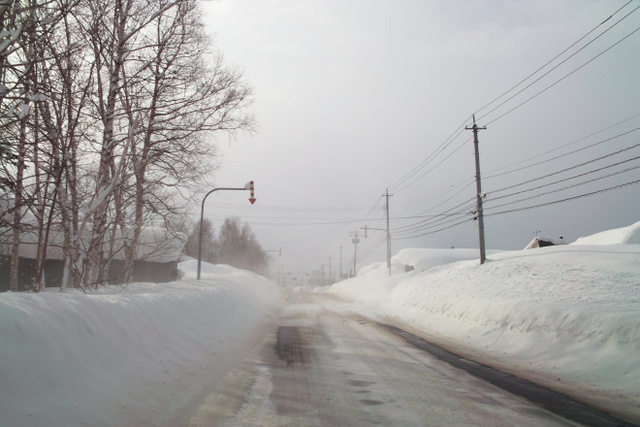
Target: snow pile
{"type": "Point", "coordinates": [568, 312]}
{"type": "Point", "coordinates": [423, 259]}
{"type": "Point", "coordinates": [619, 236]}
{"type": "Point", "coordinates": [121, 358]}
{"type": "Point", "coordinates": [419, 259]}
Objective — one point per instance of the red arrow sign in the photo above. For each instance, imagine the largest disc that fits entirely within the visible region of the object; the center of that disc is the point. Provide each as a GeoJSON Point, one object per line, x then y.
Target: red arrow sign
{"type": "Point", "coordinates": [252, 199]}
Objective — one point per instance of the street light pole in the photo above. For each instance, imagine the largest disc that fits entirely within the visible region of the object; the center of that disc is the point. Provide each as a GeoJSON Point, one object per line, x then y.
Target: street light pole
{"type": "Point", "coordinates": [248, 186]}
{"type": "Point", "coordinates": [388, 243]}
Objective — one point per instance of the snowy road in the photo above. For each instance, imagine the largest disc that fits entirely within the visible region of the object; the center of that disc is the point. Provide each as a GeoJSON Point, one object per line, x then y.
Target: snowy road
{"type": "Point", "coordinates": [319, 368]}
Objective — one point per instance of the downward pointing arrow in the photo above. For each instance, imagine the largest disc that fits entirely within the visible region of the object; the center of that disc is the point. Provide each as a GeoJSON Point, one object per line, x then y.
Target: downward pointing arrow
{"type": "Point", "coordinates": [252, 199]}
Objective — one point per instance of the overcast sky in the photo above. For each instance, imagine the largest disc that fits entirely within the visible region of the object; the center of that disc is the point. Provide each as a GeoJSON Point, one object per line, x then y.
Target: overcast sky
{"type": "Point", "coordinates": [356, 96]}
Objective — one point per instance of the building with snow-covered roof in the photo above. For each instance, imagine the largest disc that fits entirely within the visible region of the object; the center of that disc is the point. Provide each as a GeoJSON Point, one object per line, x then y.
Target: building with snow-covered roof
{"type": "Point", "coordinates": [542, 241]}
{"type": "Point", "coordinates": [155, 260]}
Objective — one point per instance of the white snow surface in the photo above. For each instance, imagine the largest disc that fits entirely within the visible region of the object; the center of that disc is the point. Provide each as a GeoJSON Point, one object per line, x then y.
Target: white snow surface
{"type": "Point", "coordinates": [568, 313]}
{"type": "Point", "coordinates": [124, 357]}
{"type": "Point", "coordinates": [619, 236]}
{"type": "Point", "coordinates": [135, 356]}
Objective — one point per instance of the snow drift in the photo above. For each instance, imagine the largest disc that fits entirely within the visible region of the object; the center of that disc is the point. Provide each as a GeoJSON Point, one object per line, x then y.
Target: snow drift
{"type": "Point", "coordinates": [619, 236]}
{"type": "Point", "coordinates": [121, 357]}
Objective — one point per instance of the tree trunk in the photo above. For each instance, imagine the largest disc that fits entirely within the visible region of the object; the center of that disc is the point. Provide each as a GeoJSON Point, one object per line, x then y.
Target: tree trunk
{"type": "Point", "coordinates": [17, 212]}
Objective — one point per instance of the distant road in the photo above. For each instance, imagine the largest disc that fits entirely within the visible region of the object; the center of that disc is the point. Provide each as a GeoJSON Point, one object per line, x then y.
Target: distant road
{"type": "Point", "coordinates": [319, 368]}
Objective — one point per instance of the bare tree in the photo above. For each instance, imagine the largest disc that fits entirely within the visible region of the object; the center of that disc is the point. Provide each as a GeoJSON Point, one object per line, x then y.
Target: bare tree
{"type": "Point", "coordinates": [69, 83]}
{"type": "Point", "coordinates": [20, 67]}
{"type": "Point", "coordinates": [109, 112]}
{"type": "Point", "coordinates": [177, 94]}
{"type": "Point", "coordinates": [238, 246]}
{"type": "Point", "coordinates": [209, 242]}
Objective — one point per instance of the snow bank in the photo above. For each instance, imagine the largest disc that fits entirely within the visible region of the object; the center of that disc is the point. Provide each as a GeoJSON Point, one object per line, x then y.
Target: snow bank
{"type": "Point", "coordinates": [570, 312]}
{"type": "Point", "coordinates": [110, 358]}
{"type": "Point", "coordinates": [423, 259]}
{"type": "Point", "coordinates": [420, 259]}
{"type": "Point", "coordinates": [619, 236]}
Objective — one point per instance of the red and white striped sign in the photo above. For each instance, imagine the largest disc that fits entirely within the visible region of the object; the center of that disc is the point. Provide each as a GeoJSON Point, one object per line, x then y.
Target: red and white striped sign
{"type": "Point", "coordinates": [252, 199]}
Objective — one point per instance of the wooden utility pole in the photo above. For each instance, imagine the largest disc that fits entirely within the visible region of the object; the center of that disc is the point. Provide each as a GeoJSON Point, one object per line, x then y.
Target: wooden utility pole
{"type": "Point", "coordinates": [479, 195]}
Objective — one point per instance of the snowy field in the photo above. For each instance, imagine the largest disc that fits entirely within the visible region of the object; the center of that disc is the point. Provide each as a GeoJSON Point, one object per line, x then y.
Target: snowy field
{"type": "Point", "coordinates": [567, 316]}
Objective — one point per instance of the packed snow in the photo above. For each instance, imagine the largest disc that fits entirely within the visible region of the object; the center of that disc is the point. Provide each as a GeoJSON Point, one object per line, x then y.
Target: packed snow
{"type": "Point", "coordinates": [567, 316]}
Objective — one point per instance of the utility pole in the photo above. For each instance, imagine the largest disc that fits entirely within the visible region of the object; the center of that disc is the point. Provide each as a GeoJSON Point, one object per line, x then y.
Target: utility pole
{"type": "Point", "coordinates": [355, 241]}
{"type": "Point", "coordinates": [387, 231]}
{"type": "Point", "coordinates": [330, 279]}
{"type": "Point", "coordinates": [388, 235]}
{"type": "Point", "coordinates": [340, 276]}
{"type": "Point", "coordinates": [479, 194]}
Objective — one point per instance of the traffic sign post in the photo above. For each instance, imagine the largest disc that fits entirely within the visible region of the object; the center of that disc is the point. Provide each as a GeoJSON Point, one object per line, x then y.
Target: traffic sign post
{"type": "Point", "coordinates": [252, 199]}
{"type": "Point", "coordinates": [248, 186]}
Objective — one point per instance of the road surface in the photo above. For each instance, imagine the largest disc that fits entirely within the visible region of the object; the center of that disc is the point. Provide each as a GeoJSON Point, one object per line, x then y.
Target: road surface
{"type": "Point", "coordinates": [317, 367]}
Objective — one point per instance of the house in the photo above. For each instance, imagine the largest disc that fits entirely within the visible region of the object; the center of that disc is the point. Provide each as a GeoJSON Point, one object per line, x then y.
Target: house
{"type": "Point", "coordinates": [156, 259]}
{"type": "Point", "coordinates": [542, 241]}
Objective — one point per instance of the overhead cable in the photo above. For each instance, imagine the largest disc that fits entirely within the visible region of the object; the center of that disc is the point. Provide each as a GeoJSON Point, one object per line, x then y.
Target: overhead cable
{"type": "Point", "coordinates": [553, 59]}
{"type": "Point", "coordinates": [593, 193]}
{"type": "Point", "coordinates": [565, 76]}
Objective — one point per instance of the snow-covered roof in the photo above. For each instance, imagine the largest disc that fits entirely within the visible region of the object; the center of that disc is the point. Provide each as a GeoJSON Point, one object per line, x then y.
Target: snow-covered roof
{"type": "Point", "coordinates": [541, 241]}
{"type": "Point", "coordinates": [156, 245]}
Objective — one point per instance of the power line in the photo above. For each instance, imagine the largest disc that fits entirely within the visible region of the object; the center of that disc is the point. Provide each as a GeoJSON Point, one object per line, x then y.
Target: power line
{"type": "Point", "coordinates": [553, 59]}
{"type": "Point", "coordinates": [566, 76]}
{"type": "Point", "coordinates": [568, 169]}
{"type": "Point", "coordinates": [593, 193]}
{"type": "Point", "coordinates": [437, 226]}
{"type": "Point", "coordinates": [375, 245]}
{"type": "Point", "coordinates": [434, 231]}
{"type": "Point", "coordinates": [443, 146]}
{"type": "Point", "coordinates": [434, 195]}
{"type": "Point", "coordinates": [489, 176]}
{"type": "Point", "coordinates": [293, 209]}
{"type": "Point", "coordinates": [493, 199]}
{"type": "Point", "coordinates": [431, 170]}
{"type": "Point", "coordinates": [410, 178]}
{"type": "Point", "coordinates": [567, 187]}
{"type": "Point", "coordinates": [461, 209]}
